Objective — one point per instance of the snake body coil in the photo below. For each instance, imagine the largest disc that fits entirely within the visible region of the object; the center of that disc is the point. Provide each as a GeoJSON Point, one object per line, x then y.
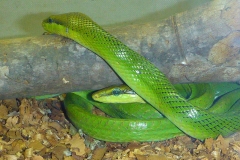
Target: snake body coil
{"type": "Point", "coordinates": [143, 77]}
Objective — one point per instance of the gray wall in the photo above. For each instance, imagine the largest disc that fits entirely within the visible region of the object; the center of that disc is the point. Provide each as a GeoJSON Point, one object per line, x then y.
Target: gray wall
{"type": "Point", "coordinates": [23, 17]}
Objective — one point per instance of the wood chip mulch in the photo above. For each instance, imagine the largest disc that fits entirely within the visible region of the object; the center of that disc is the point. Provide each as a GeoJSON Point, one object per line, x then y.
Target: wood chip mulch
{"type": "Point", "coordinates": [38, 130]}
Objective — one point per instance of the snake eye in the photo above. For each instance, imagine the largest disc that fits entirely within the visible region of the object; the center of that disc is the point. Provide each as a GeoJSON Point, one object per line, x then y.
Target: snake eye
{"type": "Point", "coordinates": [50, 20]}
{"type": "Point", "coordinates": [116, 92]}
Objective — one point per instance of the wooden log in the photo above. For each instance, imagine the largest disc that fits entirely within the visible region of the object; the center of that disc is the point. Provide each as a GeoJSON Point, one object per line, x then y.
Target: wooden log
{"type": "Point", "coordinates": [200, 45]}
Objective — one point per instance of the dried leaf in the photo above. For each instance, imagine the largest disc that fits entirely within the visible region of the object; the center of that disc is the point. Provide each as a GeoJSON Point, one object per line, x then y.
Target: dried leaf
{"type": "Point", "coordinates": [55, 125]}
{"type": "Point", "coordinates": [223, 144]}
{"type": "Point", "coordinates": [4, 112]}
{"type": "Point", "coordinates": [236, 147]}
{"type": "Point", "coordinates": [134, 145]}
{"type": "Point", "coordinates": [28, 153]}
{"type": "Point", "coordinates": [18, 145]}
{"type": "Point", "coordinates": [77, 145]}
{"type": "Point", "coordinates": [209, 143]}
{"type": "Point", "coordinates": [10, 157]}
{"type": "Point", "coordinates": [141, 157]}
{"type": "Point", "coordinates": [216, 153]}
{"type": "Point", "coordinates": [52, 137]}
{"type": "Point", "coordinates": [14, 133]}
{"type": "Point", "coordinates": [58, 151]}
{"type": "Point", "coordinates": [11, 104]}
{"type": "Point", "coordinates": [25, 108]}
{"type": "Point", "coordinates": [12, 122]}
{"type": "Point", "coordinates": [28, 132]}
{"type": "Point", "coordinates": [37, 157]}
{"type": "Point", "coordinates": [99, 153]}
{"type": "Point", "coordinates": [69, 158]}
{"type": "Point", "coordinates": [25, 112]}
{"type": "Point", "coordinates": [157, 157]}
{"type": "Point", "coordinates": [36, 145]}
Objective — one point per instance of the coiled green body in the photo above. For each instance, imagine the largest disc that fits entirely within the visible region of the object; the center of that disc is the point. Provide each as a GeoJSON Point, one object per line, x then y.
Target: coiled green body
{"type": "Point", "coordinates": [143, 77]}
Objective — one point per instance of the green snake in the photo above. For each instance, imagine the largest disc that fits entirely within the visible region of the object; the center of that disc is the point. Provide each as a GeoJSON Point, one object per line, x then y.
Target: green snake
{"type": "Point", "coordinates": [147, 81]}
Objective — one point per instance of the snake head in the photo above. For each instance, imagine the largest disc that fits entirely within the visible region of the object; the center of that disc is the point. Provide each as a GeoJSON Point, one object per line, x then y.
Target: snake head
{"type": "Point", "coordinates": [117, 94]}
{"type": "Point", "coordinates": [70, 25]}
{"type": "Point", "coordinates": [56, 24]}
{"type": "Point", "coordinates": [76, 26]}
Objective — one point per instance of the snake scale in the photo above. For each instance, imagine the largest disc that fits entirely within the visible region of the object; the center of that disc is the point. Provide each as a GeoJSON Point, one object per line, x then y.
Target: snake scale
{"type": "Point", "coordinates": [146, 80]}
